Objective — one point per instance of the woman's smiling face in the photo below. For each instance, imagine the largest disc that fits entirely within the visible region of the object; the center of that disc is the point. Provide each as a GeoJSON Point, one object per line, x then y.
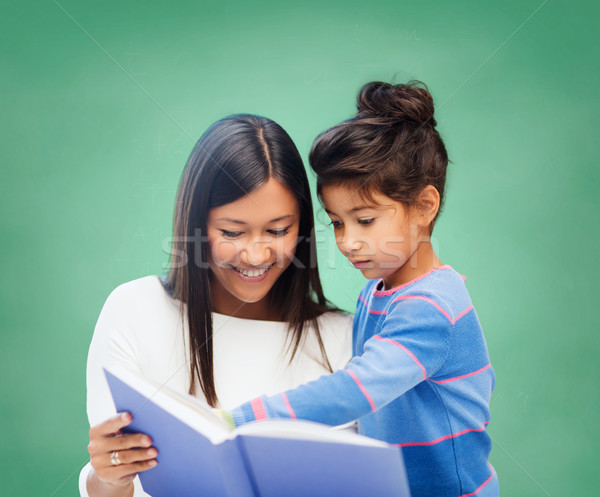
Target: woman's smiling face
{"type": "Point", "coordinates": [252, 241]}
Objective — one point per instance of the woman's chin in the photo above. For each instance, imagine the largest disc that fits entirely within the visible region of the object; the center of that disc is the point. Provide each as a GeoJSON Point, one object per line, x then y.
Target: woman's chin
{"type": "Point", "coordinates": [249, 292]}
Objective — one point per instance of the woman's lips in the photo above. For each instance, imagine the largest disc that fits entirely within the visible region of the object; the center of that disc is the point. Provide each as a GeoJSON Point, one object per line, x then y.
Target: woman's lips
{"type": "Point", "coordinates": [254, 275]}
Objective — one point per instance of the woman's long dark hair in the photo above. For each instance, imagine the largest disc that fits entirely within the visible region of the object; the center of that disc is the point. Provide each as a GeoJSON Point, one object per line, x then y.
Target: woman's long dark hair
{"type": "Point", "coordinates": [235, 156]}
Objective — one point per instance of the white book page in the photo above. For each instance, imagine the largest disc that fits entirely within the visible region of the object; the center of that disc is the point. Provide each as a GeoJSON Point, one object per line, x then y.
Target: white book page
{"type": "Point", "coordinates": [305, 430]}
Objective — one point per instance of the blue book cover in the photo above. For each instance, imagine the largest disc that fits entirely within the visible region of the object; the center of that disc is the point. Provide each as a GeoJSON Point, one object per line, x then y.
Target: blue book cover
{"type": "Point", "coordinates": [198, 455]}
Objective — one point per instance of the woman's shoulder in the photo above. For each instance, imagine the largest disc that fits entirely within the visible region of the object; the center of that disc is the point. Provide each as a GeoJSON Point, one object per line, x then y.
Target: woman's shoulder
{"type": "Point", "coordinates": [143, 299]}
{"type": "Point", "coordinates": [145, 285]}
{"type": "Point", "coordinates": [148, 289]}
{"type": "Point", "coordinates": [335, 320]}
{"type": "Point", "coordinates": [139, 316]}
{"type": "Point", "coordinates": [335, 328]}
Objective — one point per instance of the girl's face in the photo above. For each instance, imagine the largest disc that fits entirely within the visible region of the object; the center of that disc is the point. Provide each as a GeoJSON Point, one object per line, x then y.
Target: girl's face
{"type": "Point", "coordinates": [251, 243]}
{"type": "Point", "coordinates": [380, 238]}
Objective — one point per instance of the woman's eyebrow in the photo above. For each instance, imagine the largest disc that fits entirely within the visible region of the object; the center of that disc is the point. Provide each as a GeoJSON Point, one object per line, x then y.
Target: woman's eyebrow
{"type": "Point", "coordinates": [281, 218]}
{"type": "Point", "coordinates": [237, 221]}
{"type": "Point", "coordinates": [229, 220]}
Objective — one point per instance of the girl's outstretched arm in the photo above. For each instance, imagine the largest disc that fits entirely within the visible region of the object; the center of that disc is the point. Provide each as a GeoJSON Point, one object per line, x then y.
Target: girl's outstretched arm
{"type": "Point", "coordinates": [411, 346]}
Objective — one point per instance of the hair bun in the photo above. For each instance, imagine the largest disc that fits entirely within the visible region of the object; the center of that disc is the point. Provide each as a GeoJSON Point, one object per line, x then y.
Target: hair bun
{"type": "Point", "coordinates": [391, 104]}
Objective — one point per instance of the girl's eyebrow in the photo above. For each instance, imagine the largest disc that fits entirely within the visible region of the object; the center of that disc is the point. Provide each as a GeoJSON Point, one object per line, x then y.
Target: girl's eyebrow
{"type": "Point", "coordinates": [237, 221]}
{"type": "Point", "coordinates": [354, 209]}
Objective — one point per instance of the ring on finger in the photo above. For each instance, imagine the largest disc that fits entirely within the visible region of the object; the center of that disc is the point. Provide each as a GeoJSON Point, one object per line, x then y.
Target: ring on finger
{"type": "Point", "coordinates": [114, 458]}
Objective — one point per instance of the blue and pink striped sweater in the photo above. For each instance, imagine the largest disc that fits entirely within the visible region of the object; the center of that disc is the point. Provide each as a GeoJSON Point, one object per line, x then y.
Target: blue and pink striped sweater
{"type": "Point", "coordinates": [420, 379]}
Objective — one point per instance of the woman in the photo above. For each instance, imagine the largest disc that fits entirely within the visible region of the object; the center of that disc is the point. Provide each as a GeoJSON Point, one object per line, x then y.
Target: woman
{"type": "Point", "coordinates": [241, 312]}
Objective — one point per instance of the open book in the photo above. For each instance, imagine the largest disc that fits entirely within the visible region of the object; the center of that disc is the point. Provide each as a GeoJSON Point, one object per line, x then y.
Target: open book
{"type": "Point", "coordinates": [198, 455]}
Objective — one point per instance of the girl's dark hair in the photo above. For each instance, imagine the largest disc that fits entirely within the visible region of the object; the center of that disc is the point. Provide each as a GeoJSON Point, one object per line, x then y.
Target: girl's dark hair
{"type": "Point", "coordinates": [391, 145]}
{"type": "Point", "coordinates": [235, 156]}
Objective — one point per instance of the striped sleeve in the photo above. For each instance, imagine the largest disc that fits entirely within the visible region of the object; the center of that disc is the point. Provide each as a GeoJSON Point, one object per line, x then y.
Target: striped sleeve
{"type": "Point", "coordinates": [411, 345]}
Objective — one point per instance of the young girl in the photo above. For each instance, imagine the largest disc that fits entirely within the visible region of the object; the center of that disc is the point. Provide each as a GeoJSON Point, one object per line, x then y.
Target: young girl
{"type": "Point", "coordinates": [421, 377]}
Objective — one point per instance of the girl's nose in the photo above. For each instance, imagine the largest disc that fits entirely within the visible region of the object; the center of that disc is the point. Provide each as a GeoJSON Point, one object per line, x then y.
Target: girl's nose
{"type": "Point", "coordinates": [349, 243]}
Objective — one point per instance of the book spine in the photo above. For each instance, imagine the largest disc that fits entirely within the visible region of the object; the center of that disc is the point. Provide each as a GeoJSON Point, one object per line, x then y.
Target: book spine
{"type": "Point", "coordinates": [247, 467]}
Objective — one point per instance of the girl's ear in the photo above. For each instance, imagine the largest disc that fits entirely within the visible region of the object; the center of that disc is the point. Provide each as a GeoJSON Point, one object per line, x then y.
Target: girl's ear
{"type": "Point", "coordinates": [428, 204]}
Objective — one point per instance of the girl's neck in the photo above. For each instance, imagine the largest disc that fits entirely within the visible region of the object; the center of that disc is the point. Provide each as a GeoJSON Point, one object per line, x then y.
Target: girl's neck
{"type": "Point", "coordinates": [422, 260]}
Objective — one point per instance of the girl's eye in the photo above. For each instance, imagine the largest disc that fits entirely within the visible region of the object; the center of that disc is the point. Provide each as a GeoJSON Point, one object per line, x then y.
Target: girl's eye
{"type": "Point", "coordinates": [336, 224]}
{"type": "Point", "coordinates": [231, 234]}
{"type": "Point", "coordinates": [280, 232]}
{"type": "Point", "coordinates": [366, 221]}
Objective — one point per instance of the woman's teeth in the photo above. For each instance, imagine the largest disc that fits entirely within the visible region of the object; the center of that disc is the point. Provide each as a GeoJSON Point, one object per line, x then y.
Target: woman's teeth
{"type": "Point", "coordinates": [252, 273]}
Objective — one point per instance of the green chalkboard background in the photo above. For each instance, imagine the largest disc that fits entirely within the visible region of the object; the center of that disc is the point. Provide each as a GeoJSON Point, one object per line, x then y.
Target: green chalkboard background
{"type": "Point", "coordinates": [102, 102]}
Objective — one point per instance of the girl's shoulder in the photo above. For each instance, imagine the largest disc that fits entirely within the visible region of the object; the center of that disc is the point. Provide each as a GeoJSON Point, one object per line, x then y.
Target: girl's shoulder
{"type": "Point", "coordinates": [447, 287]}
{"type": "Point", "coordinates": [443, 288]}
{"type": "Point", "coordinates": [441, 279]}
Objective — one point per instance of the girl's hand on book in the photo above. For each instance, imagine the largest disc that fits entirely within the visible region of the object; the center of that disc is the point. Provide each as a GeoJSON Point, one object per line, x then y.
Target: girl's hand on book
{"type": "Point", "coordinates": [225, 416]}
{"type": "Point", "coordinates": [117, 457]}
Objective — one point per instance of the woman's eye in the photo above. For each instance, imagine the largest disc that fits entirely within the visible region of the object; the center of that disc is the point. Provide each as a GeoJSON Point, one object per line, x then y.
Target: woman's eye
{"type": "Point", "coordinates": [280, 232]}
{"type": "Point", "coordinates": [366, 221]}
{"type": "Point", "coordinates": [231, 234]}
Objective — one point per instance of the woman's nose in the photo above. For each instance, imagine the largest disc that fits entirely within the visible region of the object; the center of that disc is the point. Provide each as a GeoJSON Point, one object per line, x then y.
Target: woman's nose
{"type": "Point", "coordinates": [258, 252]}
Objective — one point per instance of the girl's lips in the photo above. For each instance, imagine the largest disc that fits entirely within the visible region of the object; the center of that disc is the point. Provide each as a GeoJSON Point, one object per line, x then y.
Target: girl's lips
{"type": "Point", "coordinates": [360, 264]}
